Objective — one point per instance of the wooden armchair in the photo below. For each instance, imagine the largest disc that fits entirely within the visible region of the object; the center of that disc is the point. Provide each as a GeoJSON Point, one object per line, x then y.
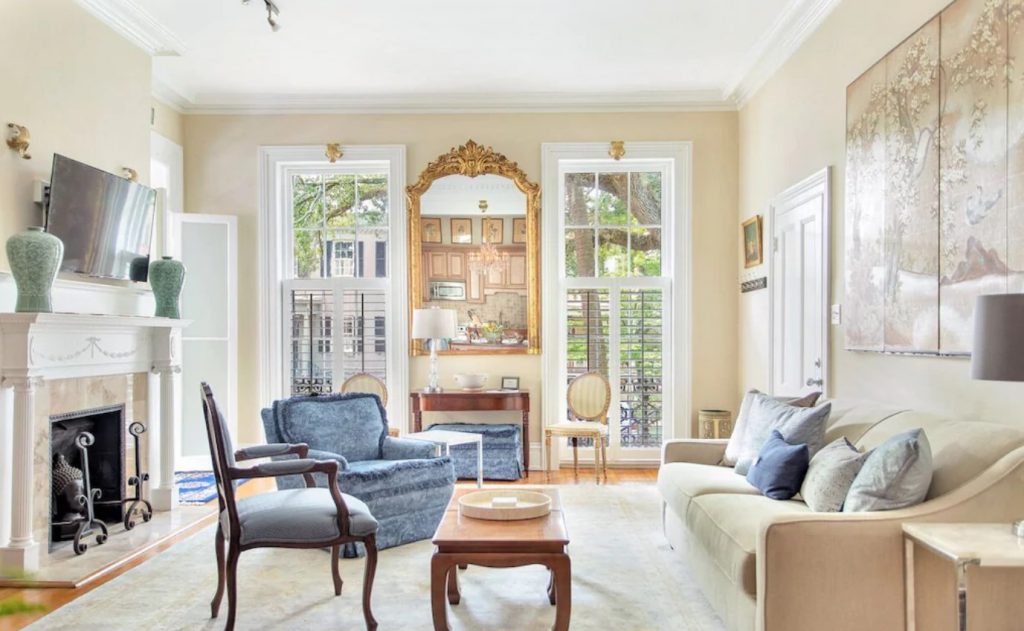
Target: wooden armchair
{"type": "Point", "coordinates": [309, 517]}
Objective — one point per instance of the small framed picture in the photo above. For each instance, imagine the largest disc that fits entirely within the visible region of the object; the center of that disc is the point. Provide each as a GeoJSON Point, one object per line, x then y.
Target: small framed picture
{"type": "Point", "coordinates": [494, 230]}
{"type": "Point", "coordinates": [431, 229]}
{"type": "Point", "coordinates": [753, 254]}
{"type": "Point", "coordinates": [510, 383]}
{"type": "Point", "coordinates": [519, 230]}
{"type": "Point", "coordinates": [462, 230]}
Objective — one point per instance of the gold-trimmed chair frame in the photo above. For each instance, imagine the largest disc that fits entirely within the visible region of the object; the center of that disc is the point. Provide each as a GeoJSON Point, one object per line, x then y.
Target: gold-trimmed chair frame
{"type": "Point", "coordinates": [472, 160]}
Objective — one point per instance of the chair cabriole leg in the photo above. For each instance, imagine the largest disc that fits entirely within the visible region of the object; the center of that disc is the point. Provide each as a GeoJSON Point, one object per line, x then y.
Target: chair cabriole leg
{"type": "Point", "coordinates": [335, 570]}
{"type": "Point", "coordinates": [371, 568]}
{"type": "Point", "coordinates": [218, 541]}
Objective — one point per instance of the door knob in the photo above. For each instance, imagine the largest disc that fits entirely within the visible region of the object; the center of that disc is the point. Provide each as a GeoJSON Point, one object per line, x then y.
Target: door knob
{"type": "Point", "coordinates": [815, 382]}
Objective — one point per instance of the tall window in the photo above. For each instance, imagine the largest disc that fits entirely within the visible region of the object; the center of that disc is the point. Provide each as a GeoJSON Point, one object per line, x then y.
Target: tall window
{"type": "Point", "coordinates": [340, 230]}
{"type": "Point", "coordinates": [615, 286]}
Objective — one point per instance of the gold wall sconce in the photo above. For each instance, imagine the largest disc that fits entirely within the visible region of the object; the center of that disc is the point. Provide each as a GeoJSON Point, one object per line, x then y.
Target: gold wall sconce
{"type": "Point", "coordinates": [617, 149]}
{"type": "Point", "coordinates": [129, 173]}
{"type": "Point", "coordinates": [334, 152]}
{"type": "Point", "coordinates": [19, 140]}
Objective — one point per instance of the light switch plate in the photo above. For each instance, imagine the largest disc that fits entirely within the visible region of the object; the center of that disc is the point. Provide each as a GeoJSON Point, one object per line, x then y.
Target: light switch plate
{"type": "Point", "coordinates": [837, 314]}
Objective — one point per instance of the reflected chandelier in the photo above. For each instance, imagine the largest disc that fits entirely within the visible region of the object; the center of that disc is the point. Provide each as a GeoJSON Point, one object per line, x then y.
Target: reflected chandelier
{"type": "Point", "coordinates": [487, 259]}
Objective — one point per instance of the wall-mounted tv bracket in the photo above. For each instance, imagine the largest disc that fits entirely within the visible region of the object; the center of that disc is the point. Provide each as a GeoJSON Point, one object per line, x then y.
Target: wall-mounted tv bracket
{"type": "Point", "coordinates": [41, 196]}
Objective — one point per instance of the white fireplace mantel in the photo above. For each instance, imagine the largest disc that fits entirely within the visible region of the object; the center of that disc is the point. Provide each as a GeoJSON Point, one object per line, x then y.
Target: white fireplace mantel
{"type": "Point", "coordinates": [36, 347]}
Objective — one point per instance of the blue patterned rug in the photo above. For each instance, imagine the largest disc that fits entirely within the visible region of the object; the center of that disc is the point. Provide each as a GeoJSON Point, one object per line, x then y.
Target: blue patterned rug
{"type": "Point", "coordinates": [197, 487]}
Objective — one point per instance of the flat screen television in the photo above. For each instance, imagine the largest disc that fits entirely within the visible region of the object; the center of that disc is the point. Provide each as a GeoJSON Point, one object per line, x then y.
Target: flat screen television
{"type": "Point", "coordinates": [105, 221]}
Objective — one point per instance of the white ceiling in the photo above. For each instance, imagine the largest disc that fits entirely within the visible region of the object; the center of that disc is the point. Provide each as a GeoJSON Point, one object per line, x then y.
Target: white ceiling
{"type": "Point", "coordinates": [463, 54]}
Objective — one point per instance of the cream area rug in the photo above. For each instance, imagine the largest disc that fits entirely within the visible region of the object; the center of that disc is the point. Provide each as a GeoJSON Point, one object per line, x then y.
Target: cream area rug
{"type": "Point", "coordinates": [625, 577]}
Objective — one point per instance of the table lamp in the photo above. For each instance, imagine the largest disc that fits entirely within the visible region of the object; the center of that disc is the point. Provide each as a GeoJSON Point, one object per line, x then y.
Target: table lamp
{"type": "Point", "coordinates": [433, 324]}
{"type": "Point", "coordinates": [999, 345]}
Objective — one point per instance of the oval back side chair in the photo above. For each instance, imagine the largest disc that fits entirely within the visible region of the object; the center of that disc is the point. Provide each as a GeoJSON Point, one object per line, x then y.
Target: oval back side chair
{"type": "Point", "coordinates": [366, 383]}
{"type": "Point", "coordinates": [589, 397]}
{"type": "Point", "coordinates": [310, 517]}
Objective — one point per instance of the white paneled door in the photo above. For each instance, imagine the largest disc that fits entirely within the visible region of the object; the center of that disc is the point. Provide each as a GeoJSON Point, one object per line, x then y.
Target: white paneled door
{"type": "Point", "coordinates": [208, 246]}
{"type": "Point", "coordinates": [799, 282]}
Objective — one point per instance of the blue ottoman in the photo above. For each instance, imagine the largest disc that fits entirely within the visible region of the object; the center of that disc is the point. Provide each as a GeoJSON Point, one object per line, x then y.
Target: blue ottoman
{"type": "Point", "coordinates": [503, 450]}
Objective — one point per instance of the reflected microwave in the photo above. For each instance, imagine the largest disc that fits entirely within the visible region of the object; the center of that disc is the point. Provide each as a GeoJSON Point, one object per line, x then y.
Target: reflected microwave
{"type": "Point", "coordinates": [447, 290]}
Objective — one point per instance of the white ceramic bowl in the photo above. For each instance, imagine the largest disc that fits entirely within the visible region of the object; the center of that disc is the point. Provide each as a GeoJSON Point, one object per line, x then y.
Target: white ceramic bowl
{"type": "Point", "coordinates": [471, 381]}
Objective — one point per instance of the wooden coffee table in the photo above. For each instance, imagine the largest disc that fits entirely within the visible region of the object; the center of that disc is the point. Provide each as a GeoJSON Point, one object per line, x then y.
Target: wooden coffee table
{"type": "Point", "coordinates": [463, 541]}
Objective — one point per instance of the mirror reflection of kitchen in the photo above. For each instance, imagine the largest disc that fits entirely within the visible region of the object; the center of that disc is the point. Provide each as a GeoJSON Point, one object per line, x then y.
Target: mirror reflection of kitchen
{"type": "Point", "coordinates": [473, 233]}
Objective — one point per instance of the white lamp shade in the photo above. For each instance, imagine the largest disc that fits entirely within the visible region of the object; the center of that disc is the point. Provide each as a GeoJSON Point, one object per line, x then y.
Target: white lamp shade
{"type": "Point", "coordinates": [433, 324]}
{"type": "Point", "coordinates": [998, 353]}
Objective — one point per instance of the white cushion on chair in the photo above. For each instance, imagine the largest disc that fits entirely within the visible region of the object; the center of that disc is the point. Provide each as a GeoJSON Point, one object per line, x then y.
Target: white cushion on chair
{"type": "Point", "coordinates": [580, 427]}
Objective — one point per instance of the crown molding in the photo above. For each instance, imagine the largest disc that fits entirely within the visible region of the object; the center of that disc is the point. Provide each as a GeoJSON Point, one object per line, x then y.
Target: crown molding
{"type": "Point", "coordinates": [556, 102]}
{"type": "Point", "coordinates": [169, 96]}
{"type": "Point", "coordinates": [136, 25]}
{"type": "Point", "coordinates": [791, 29]}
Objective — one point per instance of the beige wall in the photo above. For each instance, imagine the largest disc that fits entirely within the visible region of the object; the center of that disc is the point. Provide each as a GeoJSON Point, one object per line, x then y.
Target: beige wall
{"type": "Point", "coordinates": [220, 169]}
{"type": "Point", "coordinates": [168, 122]}
{"type": "Point", "coordinates": [81, 90]}
{"type": "Point", "coordinates": [795, 126]}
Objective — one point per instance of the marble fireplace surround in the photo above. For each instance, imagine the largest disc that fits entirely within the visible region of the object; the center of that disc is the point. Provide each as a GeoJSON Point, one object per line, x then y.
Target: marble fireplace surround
{"type": "Point", "coordinates": [52, 363]}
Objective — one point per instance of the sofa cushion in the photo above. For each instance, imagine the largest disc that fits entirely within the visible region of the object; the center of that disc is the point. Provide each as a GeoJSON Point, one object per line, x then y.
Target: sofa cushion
{"type": "Point", "coordinates": [780, 468]}
{"type": "Point", "coordinates": [727, 527]}
{"type": "Point", "coordinates": [796, 424]}
{"type": "Point", "coordinates": [680, 482]}
{"type": "Point", "coordinates": [897, 474]}
{"type": "Point", "coordinates": [961, 448]}
{"type": "Point", "coordinates": [732, 450]}
{"type": "Point", "coordinates": [352, 425]}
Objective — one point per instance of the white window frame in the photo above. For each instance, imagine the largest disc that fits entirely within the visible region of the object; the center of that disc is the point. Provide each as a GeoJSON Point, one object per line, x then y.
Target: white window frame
{"type": "Point", "coordinates": [676, 307]}
{"type": "Point", "coordinates": [276, 165]}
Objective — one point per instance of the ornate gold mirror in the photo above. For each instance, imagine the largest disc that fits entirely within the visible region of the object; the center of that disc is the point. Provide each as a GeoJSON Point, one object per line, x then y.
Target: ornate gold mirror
{"type": "Point", "coordinates": [474, 243]}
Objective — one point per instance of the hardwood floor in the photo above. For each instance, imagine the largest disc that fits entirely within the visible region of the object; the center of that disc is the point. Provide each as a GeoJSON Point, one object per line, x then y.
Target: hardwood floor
{"type": "Point", "coordinates": [50, 599]}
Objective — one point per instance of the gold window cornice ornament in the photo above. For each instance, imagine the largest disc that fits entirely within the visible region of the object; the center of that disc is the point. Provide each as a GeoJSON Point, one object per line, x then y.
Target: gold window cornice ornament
{"type": "Point", "coordinates": [472, 160]}
{"type": "Point", "coordinates": [20, 140]}
{"type": "Point", "coordinates": [617, 149]}
{"type": "Point", "coordinates": [129, 173]}
{"type": "Point", "coordinates": [334, 152]}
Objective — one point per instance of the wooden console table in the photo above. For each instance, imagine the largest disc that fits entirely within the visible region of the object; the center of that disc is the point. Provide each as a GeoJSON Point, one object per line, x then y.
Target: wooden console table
{"type": "Point", "coordinates": [485, 401]}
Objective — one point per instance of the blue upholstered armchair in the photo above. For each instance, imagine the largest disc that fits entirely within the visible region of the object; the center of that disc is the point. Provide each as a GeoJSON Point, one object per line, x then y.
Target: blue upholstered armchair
{"type": "Point", "coordinates": [401, 481]}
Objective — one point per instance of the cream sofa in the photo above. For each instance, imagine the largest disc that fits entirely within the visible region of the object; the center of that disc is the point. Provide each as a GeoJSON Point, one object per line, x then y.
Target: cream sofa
{"type": "Point", "coordinates": [778, 566]}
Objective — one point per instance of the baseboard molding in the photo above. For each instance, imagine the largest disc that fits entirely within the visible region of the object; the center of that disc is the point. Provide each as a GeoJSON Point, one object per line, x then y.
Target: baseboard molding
{"type": "Point", "coordinates": [537, 462]}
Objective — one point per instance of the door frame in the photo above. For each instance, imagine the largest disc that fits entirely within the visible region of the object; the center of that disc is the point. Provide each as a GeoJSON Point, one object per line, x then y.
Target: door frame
{"type": "Point", "coordinates": [818, 184]}
{"type": "Point", "coordinates": [680, 326]}
{"type": "Point", "coordinates": [202, 462]}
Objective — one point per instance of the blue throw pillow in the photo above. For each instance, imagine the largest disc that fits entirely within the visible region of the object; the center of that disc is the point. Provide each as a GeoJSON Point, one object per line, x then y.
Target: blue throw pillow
{"type": "Point", "coordinates": [780, 468]}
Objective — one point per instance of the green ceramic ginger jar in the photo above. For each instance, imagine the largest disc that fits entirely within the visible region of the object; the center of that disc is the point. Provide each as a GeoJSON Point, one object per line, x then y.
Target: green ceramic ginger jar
{"type": "Point", "coordinates": [35, 257]}
{"type": "Point", "coordinates": [167, 277]}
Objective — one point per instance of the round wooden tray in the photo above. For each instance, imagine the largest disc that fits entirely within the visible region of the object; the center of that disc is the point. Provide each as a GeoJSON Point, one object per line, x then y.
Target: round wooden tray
{"type": "Point", "coordinates": [530, 505]}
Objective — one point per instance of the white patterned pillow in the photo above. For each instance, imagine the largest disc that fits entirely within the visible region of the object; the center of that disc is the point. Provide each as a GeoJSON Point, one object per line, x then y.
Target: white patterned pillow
{"type": "Point", "coordinates": [830, 476]}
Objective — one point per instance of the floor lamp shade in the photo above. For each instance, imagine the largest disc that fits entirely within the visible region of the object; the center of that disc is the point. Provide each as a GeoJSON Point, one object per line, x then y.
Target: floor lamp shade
{"type": "Point", "coordinates": [433, 324]}
{"type": "Point", "coordinates": [998, 353]}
